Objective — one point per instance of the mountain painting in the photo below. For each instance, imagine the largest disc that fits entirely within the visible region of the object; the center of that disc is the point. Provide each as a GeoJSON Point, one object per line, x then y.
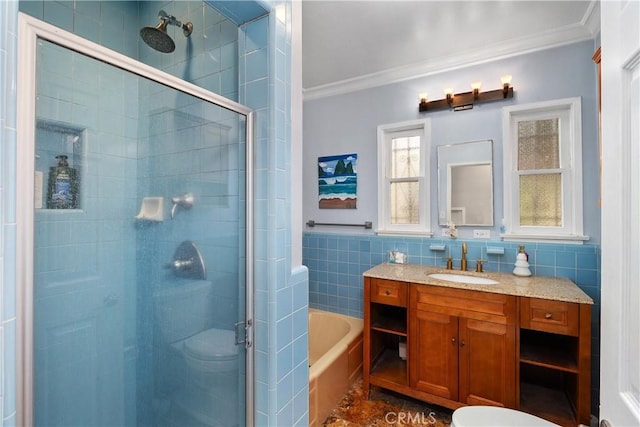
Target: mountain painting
{"type": "Point", "coordinates": [337, 181]}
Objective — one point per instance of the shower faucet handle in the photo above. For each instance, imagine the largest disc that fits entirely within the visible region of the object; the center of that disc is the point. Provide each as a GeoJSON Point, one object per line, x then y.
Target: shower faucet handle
{"type": "Point", "coordinates": [187, 262]}
{"type": "Point", "coordinates": [179, 264]}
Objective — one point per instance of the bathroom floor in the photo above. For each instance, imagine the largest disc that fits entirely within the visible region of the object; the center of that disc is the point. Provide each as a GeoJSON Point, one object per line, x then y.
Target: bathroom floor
{"type": "Point", "coordinates": [385, 408]}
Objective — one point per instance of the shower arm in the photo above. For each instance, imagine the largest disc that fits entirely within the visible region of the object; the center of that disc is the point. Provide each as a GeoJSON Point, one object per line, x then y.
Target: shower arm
{"type": "Point", "coordinates": [172, 20]}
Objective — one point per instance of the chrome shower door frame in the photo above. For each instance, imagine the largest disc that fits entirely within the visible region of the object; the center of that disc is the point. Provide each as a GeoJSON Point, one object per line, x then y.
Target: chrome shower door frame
{"type": "Point", "coordinates": [29, 31]}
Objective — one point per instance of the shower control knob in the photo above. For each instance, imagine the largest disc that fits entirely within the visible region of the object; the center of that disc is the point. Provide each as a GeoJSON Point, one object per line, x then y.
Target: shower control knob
{"type": "Point", "coordinates": [179, 264]}
{"type": "Point", "coordinates": [187, 262]}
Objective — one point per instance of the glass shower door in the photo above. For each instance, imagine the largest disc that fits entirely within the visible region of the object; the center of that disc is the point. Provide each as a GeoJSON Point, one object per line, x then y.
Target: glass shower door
{"type": "Point", "coordinates": [130, 328]}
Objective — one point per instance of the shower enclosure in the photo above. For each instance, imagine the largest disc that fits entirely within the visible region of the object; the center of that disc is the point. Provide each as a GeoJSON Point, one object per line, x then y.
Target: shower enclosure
{"type": "Point", "coordinates": [135, 306]}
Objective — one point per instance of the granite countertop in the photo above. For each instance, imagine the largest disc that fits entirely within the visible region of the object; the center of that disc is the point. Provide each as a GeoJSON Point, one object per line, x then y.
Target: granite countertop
{"type": "Point", "coordinates": [545, 287]}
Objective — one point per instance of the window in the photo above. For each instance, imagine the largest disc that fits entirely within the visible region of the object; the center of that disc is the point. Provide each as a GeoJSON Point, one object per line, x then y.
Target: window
{"type": "Point", "coordinates": [542, 149]}
{"type": "Point", "coordinates": [403, 169]}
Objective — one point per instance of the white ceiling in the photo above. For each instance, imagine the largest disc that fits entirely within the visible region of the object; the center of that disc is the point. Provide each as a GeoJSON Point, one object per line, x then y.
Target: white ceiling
{"type": "Point", "coordinates": [351, 45]}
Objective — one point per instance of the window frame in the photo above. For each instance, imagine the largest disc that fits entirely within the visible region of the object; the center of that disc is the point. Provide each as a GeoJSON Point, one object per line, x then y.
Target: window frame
{"type": "Point", "coordinates": [386, 133]}
{"type": "Point", "coordinates": [569, 114]}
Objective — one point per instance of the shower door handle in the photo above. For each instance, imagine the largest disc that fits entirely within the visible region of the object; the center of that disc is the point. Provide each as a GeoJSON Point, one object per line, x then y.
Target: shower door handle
{"type": "Point", "coordinates": [241, 329]}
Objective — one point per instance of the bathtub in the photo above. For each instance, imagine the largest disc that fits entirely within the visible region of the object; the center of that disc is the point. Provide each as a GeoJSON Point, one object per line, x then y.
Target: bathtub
{"type": "Point", "coordinates": [335, 360]}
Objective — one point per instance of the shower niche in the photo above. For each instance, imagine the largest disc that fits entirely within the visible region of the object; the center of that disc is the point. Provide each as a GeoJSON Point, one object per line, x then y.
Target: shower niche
{"type": "Point", "coordinates": [59, 154]}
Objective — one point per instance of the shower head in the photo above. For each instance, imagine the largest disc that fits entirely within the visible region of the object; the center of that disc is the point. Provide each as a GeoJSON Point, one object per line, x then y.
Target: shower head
{"type": "Point", "coordinates": [157, 37]}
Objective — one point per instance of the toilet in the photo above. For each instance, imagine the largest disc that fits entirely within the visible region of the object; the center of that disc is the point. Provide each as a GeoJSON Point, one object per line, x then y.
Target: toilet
{"type": "Point", "coordinates": [198, 367]}
{"type": "Point", "coordinates": [495, 416]}
{"type": "Point", "coordinates": [209, 353]}
{"type": "Point", "coordinates": [208, 395]}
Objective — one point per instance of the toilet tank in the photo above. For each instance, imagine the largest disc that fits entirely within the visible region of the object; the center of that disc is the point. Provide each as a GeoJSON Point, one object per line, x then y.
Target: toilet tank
{"type": "Point", "coordinates": [183, 308]}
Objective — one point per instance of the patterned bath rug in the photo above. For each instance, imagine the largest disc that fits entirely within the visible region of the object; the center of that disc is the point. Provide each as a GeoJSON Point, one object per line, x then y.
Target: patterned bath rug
{"type": "Point", "coordinates": [385, 409]}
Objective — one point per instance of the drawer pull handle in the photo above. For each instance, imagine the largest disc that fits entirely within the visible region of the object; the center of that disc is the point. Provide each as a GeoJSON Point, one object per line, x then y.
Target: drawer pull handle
{"type": "Point", "coordinates": [548, 316]}
{"type": "Point", "coordinates": [387, 293]}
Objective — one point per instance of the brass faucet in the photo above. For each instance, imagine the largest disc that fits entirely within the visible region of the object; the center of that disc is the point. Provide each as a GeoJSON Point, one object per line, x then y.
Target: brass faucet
{"type": "Point", "coordinates": [463, 261]}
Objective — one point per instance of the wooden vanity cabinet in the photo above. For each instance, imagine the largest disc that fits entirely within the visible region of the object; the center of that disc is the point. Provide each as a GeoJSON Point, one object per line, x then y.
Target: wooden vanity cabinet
{"type": "Point", "coordinates": [466, 347]}
{"type": "Point", "coordinates": [462, 346]}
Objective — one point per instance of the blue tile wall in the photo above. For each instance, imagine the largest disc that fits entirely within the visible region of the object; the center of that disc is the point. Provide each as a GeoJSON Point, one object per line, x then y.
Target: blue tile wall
{"type": "Point", "coordinates": [336, 263]}
{"type": "Point", "coordinates": [281, 294]}
{"type": "Point", "coordinates": [109, 23]}
{"type": "Point", "coordinates": [243, 12]}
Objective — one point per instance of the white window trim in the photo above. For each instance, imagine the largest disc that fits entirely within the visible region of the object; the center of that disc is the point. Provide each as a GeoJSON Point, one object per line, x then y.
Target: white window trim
{"type": "Point", "coordinates": [571, 163]}
{"type": "Point", "coordinates": [384, 221]}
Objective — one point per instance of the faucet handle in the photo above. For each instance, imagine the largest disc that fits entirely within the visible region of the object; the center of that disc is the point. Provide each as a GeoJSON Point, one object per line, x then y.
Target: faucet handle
{"type": "Point", "coordinates": [479, 268]}
{"type": "Point", "coordinates": [449, 263]}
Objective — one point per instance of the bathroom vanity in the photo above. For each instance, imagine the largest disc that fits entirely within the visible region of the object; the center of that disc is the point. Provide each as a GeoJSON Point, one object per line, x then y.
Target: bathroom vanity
{"type": "Point", "coordinates": [519, 342]}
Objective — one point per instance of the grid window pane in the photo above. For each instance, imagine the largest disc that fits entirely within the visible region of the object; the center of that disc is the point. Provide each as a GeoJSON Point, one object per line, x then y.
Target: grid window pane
{"type": "Point", "coordinates": [541, 200]}
{"type": "Point", "coordinates": [405, 203]}
{"type": "Point", "coordinates": [538, 144]}
{"type": "Point", "coordinates": [405, 157]}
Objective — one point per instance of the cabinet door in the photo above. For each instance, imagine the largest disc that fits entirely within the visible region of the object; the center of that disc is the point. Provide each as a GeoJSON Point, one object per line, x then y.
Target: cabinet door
{"type": "Point", "coordinates": [433, 363]}
{"type": "Point", "coordinates": [487, 363]}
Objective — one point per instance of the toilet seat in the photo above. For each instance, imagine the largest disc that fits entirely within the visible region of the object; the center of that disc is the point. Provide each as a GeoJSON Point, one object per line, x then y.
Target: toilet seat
{"type": "Point", "coordinates": [495, 416]}
{"type": "Point", "coordinates": [212, 344]}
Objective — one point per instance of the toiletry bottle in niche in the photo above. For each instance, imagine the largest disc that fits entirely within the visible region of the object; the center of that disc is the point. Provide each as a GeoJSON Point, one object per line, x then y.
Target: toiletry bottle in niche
{"type": "Point", "coordinates": [63, 185]}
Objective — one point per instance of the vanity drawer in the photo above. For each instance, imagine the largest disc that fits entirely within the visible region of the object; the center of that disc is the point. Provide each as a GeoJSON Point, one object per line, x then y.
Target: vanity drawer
{"type": "Point", "coordinates": [477, 305]}
{"type": "Point", "coordinates": [550, 316]}
{"type": "Point", "coordinates": [389, 292]}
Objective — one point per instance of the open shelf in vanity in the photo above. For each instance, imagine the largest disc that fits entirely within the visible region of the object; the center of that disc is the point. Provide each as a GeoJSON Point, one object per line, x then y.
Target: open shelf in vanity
{"type": "Point", "coordinates": [387, 313]}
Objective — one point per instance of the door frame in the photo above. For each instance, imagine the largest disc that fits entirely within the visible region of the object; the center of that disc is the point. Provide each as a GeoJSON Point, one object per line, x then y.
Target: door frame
{"type": "Point", "coordinates": [620, 66]}
{"type": "Point", "coordinates": [30, 30]}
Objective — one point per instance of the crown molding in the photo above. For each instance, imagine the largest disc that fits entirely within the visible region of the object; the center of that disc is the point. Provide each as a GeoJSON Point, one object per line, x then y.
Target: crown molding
{"type": "Point", "coordinates": [569, 34]}
{"type": "Point", "coordinates": [591, 18]}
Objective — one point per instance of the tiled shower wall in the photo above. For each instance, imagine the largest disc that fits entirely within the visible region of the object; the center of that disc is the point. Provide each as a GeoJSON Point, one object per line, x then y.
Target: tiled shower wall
{"type": "Point", "coordinates": [336, 263]}
{"type": "Point", "coordinates": [282, 376]}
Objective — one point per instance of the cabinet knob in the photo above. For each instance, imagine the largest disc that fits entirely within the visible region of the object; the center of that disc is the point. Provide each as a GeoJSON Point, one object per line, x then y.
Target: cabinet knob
{"type": "Point", "coordinates": [387, 293]}
{"type": "Point", "coordinates": [453, 340]}
{"type": "Point", "coordinates": [462, 343]}
{"type": "Point", "coordinates": [548, 315]}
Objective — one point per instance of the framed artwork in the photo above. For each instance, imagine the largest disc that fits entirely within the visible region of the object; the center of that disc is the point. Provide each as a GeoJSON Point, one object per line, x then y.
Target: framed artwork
{"type": "Point", "coordinates": [337, 181]}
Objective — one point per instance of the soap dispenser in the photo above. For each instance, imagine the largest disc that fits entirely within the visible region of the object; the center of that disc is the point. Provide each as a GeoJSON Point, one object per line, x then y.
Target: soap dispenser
{"type": "Point", "coordinates": [63, 185]}
{"type": "Point", "coordinates": [522, 263]}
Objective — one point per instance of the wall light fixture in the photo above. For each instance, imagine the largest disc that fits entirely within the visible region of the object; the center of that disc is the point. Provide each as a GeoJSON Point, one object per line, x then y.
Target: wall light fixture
{"type": "Point", "coordinates": [465, 100]}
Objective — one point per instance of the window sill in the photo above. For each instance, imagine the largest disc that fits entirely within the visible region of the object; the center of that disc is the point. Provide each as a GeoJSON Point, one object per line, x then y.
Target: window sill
{"type": "Point", "coordinates": [552, 238]}
{"type": "Point", "coordinates": [425, 233]}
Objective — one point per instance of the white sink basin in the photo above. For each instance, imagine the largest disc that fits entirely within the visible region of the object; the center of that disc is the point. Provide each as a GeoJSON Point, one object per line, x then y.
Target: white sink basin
{"type": "Point", "coordinates": [460, 278]}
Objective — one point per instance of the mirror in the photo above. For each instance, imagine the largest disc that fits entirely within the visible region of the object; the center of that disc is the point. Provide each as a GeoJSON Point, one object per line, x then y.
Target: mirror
{"type": "Point", "coordinates": [465, 183]}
